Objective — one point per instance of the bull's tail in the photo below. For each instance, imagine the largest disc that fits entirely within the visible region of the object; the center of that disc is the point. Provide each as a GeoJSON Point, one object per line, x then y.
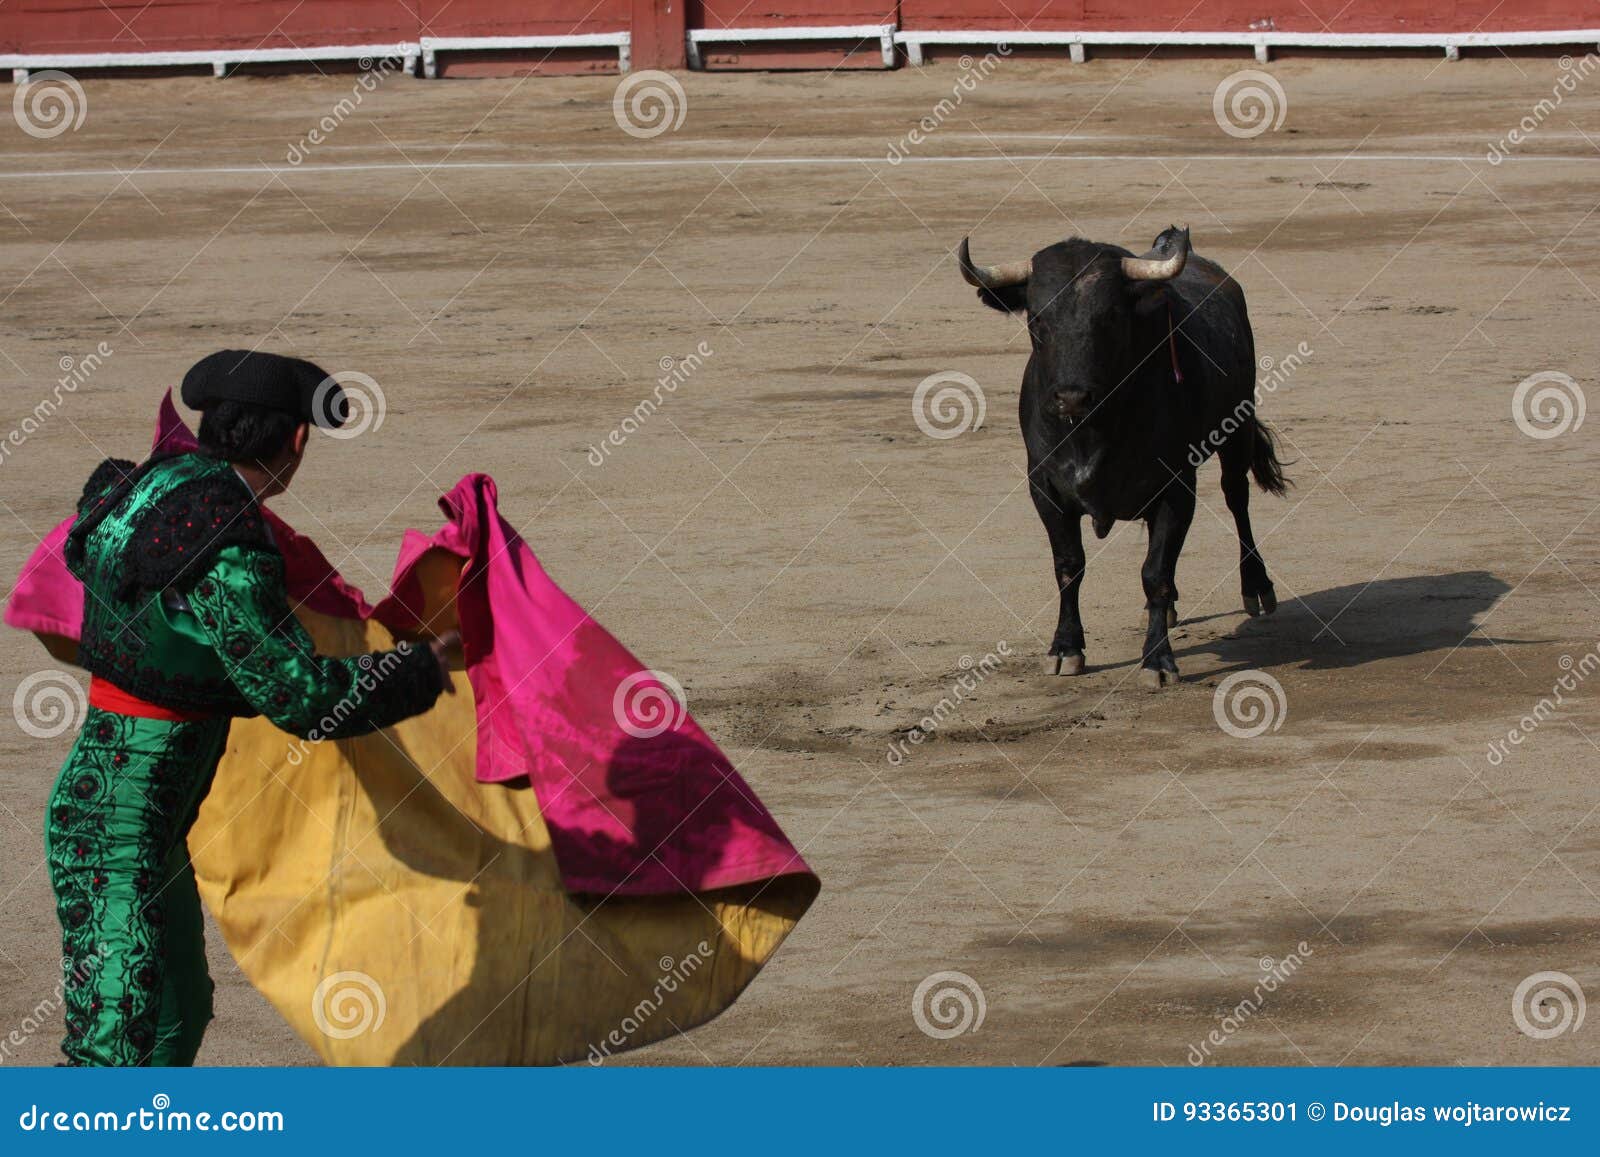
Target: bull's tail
{"type": "Point", "coordinates": [1265, 466]}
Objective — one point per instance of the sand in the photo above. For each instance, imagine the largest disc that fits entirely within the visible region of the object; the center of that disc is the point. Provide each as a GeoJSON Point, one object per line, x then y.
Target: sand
{"type": "Point", "coordinates": [1113, 870]}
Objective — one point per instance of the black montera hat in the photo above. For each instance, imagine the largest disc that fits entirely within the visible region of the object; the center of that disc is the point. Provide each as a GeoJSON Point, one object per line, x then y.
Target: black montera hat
{"type": "Point", "coordinates": [293, 385]}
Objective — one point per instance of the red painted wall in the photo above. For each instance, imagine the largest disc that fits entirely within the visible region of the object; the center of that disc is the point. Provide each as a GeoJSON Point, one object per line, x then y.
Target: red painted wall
{"type": "Point", "coordinates": [182, 25]}
{"type": "Point", "coordinates": [537, 18]}
{"type": "Point", "coordinates": [1241, 15]}
{"type": "Point", "coordinates": [658, 28]}
{"type": "Point", "coordinates": [799, 13]}
{"type": "Point", "coordinates": [506, 18]}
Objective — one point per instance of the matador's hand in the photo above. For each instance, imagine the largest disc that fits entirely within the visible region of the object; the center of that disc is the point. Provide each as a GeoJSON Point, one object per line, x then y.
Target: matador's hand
{"type": "Point", "coordinates": [446, 650]}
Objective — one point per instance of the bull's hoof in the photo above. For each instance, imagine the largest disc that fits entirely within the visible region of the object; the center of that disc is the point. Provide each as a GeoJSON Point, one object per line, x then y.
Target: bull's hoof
{"type": "Point", "coordinates": [1263, 604]}
{"type": "Point", "coordinates": [1064, 664]}
{"type": "Point", "coordinates": [1152, 679]}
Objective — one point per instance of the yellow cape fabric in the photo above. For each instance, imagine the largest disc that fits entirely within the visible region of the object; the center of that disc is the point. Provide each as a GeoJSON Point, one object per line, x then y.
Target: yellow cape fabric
{"type": "Point", "coordinates": [397, 911]}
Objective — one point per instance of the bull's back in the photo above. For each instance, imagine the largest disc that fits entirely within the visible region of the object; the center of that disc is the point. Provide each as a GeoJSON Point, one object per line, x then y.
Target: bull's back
{"type": "Point", "coordinates": [1220, 324]}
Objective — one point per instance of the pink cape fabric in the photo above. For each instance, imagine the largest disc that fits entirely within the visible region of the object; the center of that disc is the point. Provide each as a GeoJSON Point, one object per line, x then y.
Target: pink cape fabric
{"type": "Point", "coordinates": [637, 798]}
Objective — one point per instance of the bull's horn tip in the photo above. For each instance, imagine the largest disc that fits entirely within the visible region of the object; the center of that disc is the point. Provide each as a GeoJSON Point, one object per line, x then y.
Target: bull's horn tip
{"type": "Point", "coordinates": [964, 263]}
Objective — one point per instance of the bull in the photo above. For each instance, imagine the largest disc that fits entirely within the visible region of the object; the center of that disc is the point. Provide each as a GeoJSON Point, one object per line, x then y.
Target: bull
{"type": "Point", "coordinates": [1141, 368]}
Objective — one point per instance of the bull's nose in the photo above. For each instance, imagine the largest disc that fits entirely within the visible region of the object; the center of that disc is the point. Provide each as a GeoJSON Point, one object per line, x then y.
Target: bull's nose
{"type": "Point", "coordinates": [1072, 403]}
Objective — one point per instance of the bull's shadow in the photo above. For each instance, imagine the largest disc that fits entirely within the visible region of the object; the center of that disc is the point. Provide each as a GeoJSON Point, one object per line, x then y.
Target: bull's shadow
{"type": "Point", "coordinates": [1348, 626]}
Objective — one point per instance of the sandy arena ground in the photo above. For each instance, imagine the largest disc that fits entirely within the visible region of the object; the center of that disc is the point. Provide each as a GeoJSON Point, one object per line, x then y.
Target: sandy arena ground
{"type": "Point", "coordinates": [1109, 867]}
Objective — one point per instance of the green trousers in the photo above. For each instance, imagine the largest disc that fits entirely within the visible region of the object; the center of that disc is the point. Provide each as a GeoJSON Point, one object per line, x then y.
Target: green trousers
{"type": "Point", "coordinates": [137, 991]}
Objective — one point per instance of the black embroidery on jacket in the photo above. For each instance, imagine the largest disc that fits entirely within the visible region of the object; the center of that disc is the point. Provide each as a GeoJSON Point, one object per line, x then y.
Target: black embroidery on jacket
{"type": "Point", "coordinates": [175, 541]}
{"type": "Point", "coordinates": [112, 481]}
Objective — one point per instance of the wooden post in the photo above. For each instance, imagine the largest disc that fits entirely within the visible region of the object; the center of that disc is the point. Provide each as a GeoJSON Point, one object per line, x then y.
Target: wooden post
{"type": "Point", "coordinates": [659, 29]}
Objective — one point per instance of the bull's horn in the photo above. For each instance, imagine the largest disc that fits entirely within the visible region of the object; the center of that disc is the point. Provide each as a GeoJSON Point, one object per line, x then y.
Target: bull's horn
{"type": "Point", "coordinates": [1162, 263]}
{"type": "Point", "coordinates": [993, 276]}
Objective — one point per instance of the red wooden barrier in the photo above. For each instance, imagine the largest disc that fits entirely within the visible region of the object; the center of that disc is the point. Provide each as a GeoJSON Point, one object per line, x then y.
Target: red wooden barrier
{"type": "Point", "coordinates": [489, 18]}
{"type": "Point", "coordinates": [658, 29]}
{"type": "Point", "coordinates": [504, 18]}
{"type": "Point", "coordinates": [794, 13]}
{"type": "Point", "coordinates": [73, 26]}
{"type": "Point", "coordinates": [1247, 15]}
{"type": "Point", "coordinates": [826, 52]}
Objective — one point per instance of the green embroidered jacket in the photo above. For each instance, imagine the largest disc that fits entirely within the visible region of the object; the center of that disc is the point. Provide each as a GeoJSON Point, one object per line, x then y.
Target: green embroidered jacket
{"type": "Point", "coordinates": [185, 606]}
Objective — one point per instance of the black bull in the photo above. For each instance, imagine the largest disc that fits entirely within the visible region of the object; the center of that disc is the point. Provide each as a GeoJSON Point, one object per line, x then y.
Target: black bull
{"type": "Point", "coordinates": [1141, 368]}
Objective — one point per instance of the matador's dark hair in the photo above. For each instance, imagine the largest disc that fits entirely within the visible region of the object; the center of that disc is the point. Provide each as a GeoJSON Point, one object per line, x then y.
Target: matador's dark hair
{"type": "Point", "coordinates": [243, 432]}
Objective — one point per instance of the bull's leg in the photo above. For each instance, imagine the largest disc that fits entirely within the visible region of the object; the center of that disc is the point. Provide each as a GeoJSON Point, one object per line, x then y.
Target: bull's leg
{"type": "Point", "coordinates": [1172, 607]}
{"type": "Point", "coordinates": [1063, 523]}
{"type": "Point", "coordinates": [1169, 525]}
{"type": "Point", "coordinates": [1254, 585]}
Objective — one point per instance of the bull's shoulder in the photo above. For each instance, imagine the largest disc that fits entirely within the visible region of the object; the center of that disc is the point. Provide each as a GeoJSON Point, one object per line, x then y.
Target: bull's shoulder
{"type": "Point", "coordinates": [1214, 278]}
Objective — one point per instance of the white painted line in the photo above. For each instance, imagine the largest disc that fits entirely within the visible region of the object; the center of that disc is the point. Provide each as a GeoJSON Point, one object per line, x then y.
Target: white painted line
{"type": "Point", "coordinates": [797, 162]}
{"type": "Point", "coordinates": [1091, 138]}
{"type": "Point", "coordinates": [1445, 139]}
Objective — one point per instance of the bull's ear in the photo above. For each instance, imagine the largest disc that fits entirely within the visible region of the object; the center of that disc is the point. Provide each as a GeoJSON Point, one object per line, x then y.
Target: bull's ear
{"type": "Point", "coordinates": [1011, 299]}
{"type": "Point", "coordinates": [1148, 296]}
{"type": "Point", "coordinates": [1170, 239]}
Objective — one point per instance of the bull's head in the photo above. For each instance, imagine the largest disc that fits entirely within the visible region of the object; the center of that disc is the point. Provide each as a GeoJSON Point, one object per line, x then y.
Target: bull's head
{"type": "Point", "coordinates": [1087, 306]}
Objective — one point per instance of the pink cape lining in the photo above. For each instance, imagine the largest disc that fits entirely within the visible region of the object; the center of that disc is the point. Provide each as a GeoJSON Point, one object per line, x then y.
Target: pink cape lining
{"type": "Point", "coordinates": [637, 798]}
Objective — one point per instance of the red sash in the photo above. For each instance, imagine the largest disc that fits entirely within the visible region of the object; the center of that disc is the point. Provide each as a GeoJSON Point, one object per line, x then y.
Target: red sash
{"type": "Point", "coordinates": [109, 697]}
